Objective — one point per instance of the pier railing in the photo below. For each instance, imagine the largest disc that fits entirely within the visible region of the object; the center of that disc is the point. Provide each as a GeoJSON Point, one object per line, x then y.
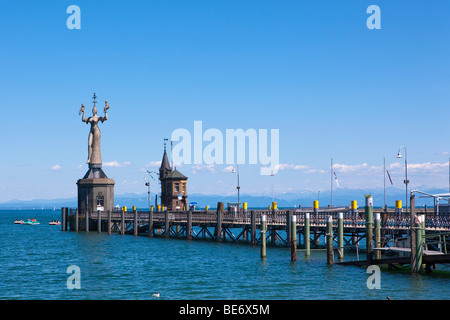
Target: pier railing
{"type": "Point", "coordinates": [352, 218]}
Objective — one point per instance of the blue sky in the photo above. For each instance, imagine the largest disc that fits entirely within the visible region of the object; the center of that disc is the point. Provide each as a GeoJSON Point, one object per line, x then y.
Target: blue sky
{"type": "Point", "coordinates": [311, 69]}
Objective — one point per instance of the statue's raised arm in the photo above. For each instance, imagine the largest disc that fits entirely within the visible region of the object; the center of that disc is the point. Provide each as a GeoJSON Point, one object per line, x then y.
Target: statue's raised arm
{"type": "Point", "coordinates": [105, 111]}
{"type": "Point", "coordinates": [82, 112]}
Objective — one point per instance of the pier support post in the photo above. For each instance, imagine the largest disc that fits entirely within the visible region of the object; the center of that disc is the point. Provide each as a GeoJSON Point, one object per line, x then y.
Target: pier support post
{"type": "Point", "coordinates": [316, 239]}
{"type": "Point", "coordinates": [219, 225]}
{"type": "Point", "coordinates": [135, 222]}
{"type": "Point", "coordinates": [253, 223]}
{"type": "Point", "coordinates": [263, 236]}
{"type": "Point", "coordinates": [109, 221]}
{"type": "Point", "coordinates": [63, 219]}
{"type": "Point", "coordinates": [377, 235]}
{"type": "Point", "coordinates": [330, 256]}
{"type": "Point", "coordinates": [307, 236]}
{"type": "Point", "coordinates": [167, 224]}
{"type": "Point", "coordinates": [369, 229]}
{"type": "Point", "coordinates": [340, 236]}
{"type": "Point", "coordinates": [288, 228]}
{"type": "Point", "coordinates": [417, 241]}
{"type": "Point", "coordinates": [99, 221]}
{"type": "Point", "coordinates": [150, 222]}
{"type": "Point", "coordinates": [189, 225]}
{"type": "Point", "coordinates": [87, 220]}
{"type": "Point", "coordinates": [76, 219]}
{"type": "Point", "coordinates": [122, 222]}
{"type": "Point", "coordinates": [293, 238]}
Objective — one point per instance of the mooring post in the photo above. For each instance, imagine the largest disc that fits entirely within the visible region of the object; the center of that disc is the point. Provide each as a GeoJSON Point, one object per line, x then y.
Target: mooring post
{"type": "Point", "coordinates": [109, 221]}
{"type": "Point", "coordinates": [293, 237]}
{"type": "Point", "coordinates": [76, 219]}
{"type": "Point", "coordinates": [263, 236]}
{"type": "Point", "coordinates": [220, 208]}
{"type": "Point", "coordinates": [340, 236]}
{"type": "Point", "coordinates": [189, 225]}
{"type": "Point", "coordinates": [416, 244]}
{"type": "Point", "coordinates": [87, 220]}
{"type": "Point", "coordinates": [369, 229]}
{"type": "Point", "coordinates": [315, 216]}
{"type": "Point", "coordinates": [330, 256]}
{"type": "Point", "coordinates": [122, 221]}
{"type": "Point", "coordinates": [307, 236]}
{"type": "Point", "coordinates": [253, 224]}
{"type": "Point", "coordinates": [288, 228]}
{"type": "Point", "coordinates": [273, 237]}
{"type": "Point", "coordinates": [167, 223]}
{"type": "Point", "coordinates": [99, 221]}
{"type": "Point", "coordinates": [135, 222]}
{"type": "Point", "coordinates": [63, 218]}
{"type": "Point", "coordinates": [150, 222]}
{"type": "Point", "coordinates": [377, 235]}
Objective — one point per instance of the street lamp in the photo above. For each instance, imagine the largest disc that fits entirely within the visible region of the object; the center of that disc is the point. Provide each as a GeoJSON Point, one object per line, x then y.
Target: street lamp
{"type": "Point", "coordinates": [238, 187]}
{"type": "Point", "coordinates": [399, 156]}
{"type": "Point", "coordinates": [147, 183]}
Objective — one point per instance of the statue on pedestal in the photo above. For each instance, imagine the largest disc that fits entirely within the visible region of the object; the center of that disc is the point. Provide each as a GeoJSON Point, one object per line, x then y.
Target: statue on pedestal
{"type": "Point", "coordinates": [94, 153]}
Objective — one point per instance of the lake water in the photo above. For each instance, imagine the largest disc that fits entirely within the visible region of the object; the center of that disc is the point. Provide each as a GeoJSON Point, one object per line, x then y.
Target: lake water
{"type": "Point", "coordinates": [35, 258]}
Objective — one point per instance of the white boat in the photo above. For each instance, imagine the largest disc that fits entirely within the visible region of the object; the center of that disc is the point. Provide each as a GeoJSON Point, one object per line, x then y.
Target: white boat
{"type": "Point", "coordinates": [54, 223]}
{"type": "Point", "coordinates": [19, 222]}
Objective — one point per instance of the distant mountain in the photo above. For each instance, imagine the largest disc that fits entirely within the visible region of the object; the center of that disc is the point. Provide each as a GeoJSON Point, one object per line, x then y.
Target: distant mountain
{"type": "Point", "coordinates": [341, 196]}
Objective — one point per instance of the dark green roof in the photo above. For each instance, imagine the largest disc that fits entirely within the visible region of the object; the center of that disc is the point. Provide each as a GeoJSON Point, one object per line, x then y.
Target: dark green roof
{"type": "Point", "coordinates": [175, 174]}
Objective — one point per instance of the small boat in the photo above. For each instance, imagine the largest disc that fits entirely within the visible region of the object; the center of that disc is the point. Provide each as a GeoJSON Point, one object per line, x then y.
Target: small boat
{"type": "Point", "coordinates": [54, 223]}
{"type": "Point", "coordinates": [17, 221]}
{"type": "Point", "coordinates": [32, 221]}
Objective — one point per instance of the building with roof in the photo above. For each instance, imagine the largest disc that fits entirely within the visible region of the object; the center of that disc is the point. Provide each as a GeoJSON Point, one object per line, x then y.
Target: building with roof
{"type": "Point", "coordinates": [173, 186]}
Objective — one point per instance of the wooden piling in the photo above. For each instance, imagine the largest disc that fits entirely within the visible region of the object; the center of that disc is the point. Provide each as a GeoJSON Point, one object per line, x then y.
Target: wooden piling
{"type": "Point", "coordinates": [219, 226]}
{"type": "Point", "coordinates": [307, 236]}
{"type": "Point", "coordinates": [263, 236]}
{"type": "Point", "coordinates": [122, 222]}
{"type": "Point", "coordinates": [189, 225]}
{"type": "Point", "coordinates": [369, 229]}
{"type": "Point", "coordinates": [340, 236]}
{"type": "Point", "coordinates": [330, 256]}
{"type": "Point", "coordinates": [253, 226]}
{"type": "Point", "coordinates": [135, 222]}
{"type": "Point", "coordinates": [76, 219]}
{"type": "Point", "coordinates": [87, 220]}
{"type": "Point", "coordinates": [293, 238]}
{"type": "Point", "coordinates": [99, 221]}
{"type": "Point", "coordinates": [109, 222]}
{"type": "Point", "coordinates": [150, 222]}
{"type": "Point", "coordinates": [167, 224]}
{"type": "Point", "coordinates": [63, 219]}
{"type": "Point", "coordinates": [288, 228]}
{"type": "Point", "coordinates": [377, 253]}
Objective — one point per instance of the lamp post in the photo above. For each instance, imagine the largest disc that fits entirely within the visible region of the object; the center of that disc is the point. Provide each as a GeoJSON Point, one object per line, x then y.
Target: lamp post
{"type": "Point", "coordinates": [272, 174]}
{"type": "Point", "coordinates": [147, 183]}
{"type": "Point", "coordinates": [238, 186]}
{"type": "Point", "coordinates": [399, 155]}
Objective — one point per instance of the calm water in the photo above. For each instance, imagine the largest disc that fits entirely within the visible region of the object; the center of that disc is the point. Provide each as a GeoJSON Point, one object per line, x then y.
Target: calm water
{"type": "Point", "coordinates": [34, 261]}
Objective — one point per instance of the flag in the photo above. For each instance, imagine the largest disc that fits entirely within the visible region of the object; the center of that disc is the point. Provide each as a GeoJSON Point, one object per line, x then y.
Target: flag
{"type": "Point", "coordinates": [336, 179]}
{"type": "Point", "coordinates": [389, 177]}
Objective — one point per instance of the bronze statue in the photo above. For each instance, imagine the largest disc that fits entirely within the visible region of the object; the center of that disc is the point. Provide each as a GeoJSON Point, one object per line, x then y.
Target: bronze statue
{"type": "Point", "coordinates": [94, 154]}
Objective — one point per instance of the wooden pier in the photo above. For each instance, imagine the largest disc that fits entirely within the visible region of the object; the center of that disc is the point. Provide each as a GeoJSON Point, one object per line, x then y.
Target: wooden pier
{"type": "Point", "coordinates": [312, 228]}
